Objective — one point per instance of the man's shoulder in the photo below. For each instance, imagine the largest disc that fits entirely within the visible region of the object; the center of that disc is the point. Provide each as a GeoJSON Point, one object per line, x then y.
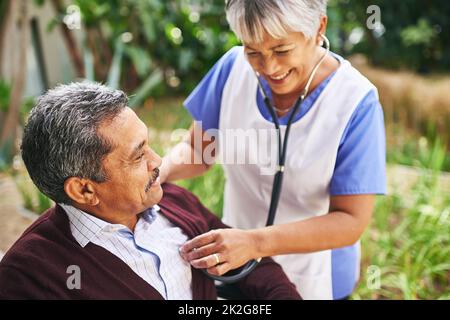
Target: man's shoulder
{"type": "Point", "coordinates": [176, 194]}
{"type": "Point", "coordinates": [35, 241]}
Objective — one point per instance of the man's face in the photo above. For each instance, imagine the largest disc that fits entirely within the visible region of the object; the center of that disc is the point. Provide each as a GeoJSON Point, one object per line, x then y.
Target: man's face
{"type": "Point", "coordinates": [133, 184]}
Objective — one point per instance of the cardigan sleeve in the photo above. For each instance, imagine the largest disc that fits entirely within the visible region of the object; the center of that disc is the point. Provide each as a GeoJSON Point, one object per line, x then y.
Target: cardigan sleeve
{"type": "Point", "coordinates": [16, 285]}
{"type": "Point", "coordinates": [268, 282]}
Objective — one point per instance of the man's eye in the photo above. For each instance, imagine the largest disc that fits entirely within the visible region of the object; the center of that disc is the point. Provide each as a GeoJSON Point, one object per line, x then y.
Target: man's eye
{"type": "Point", "coordinates": [252, 54]}
{"type": "Point", "coordinates": [140, 156]}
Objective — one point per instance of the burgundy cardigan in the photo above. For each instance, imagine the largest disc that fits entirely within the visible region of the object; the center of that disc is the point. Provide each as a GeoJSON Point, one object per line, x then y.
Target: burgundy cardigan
{"type": "Point", "coordinates": [35, 266]}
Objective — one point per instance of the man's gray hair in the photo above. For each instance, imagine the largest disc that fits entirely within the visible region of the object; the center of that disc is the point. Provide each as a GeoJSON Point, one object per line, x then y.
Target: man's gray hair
{"type": "Point", "coordinates": [249, 19]}
{"type": "Point", "coordinates": [61, 139]}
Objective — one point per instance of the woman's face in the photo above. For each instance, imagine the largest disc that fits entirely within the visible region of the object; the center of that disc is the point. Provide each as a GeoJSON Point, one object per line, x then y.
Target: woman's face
{"type": "Point", "coordinates": [285, 63]}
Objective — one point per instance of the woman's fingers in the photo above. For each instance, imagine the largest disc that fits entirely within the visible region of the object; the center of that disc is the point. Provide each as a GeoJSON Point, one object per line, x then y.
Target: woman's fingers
{"type": "Point", "coordinates": [210, 261]}
{"type": "Point", "coordinates": [198, 242]}
{"type": "Point", "coordinates": [232, 247]}
{"type": "Point", "coordinates": [219, 269]}
{"type": "Point", "coordinates": [200, 252]}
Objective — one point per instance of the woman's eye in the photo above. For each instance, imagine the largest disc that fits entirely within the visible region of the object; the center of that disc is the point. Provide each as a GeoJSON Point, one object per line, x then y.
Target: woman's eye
{"type": "Point", "coordinates": [282, 52]}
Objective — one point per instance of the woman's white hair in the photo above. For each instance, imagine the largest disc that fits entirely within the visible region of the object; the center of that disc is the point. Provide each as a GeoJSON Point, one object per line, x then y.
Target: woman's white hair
{"type": "Point", "coordinates": [250, 19]}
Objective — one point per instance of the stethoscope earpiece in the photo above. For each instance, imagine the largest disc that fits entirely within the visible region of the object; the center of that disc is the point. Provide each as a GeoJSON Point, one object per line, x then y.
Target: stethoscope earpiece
{"type": "Point", "coordinates": [327, 42]}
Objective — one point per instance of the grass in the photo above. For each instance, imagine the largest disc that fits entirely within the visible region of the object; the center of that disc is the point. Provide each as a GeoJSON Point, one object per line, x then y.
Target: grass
{"type": "Point", "coordinates": [405, 250]}
{"type": "Point", "coordinates": [408, 245]}
{"type": "Point", "coordinates": [419, 103]}
{"type": "Point", "coordinates": [409, 148]}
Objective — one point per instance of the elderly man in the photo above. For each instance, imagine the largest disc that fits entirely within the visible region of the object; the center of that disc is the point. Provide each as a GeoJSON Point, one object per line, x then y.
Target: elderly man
{"type": "Point", "coordinates": [113, 234]}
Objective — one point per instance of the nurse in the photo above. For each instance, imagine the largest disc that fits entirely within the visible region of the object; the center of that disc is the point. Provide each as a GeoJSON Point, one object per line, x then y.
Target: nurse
{"type": "Point", "coordinates": [335, 162]}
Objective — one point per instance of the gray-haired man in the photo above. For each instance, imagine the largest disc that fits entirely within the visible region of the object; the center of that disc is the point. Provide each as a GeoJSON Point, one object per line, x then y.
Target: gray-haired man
{"type": "Point", "coordinates": [107, 238]}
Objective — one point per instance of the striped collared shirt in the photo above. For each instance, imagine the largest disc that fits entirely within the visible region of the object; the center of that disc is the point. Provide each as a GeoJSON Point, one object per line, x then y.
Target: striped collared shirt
{"type": "Point", "coordinates": [151, 251]}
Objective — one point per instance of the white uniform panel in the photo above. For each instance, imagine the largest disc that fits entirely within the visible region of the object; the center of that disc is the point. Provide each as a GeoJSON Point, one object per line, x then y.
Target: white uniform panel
{"type": "Point", "coordinates": [312, 149]}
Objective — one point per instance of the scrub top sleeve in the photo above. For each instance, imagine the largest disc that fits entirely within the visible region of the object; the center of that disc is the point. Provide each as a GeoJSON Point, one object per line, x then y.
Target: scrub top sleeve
{"type": "Point", "coordinates": [204, 102]}
{"type": "Point", "coordinates": [361, 160]}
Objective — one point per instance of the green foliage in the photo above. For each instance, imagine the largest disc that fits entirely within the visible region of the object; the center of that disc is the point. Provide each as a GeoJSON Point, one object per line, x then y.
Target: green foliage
{"type": "Point", "coordinates": [116, 65]}
{"type": "Point", "coordinates": [209, 188]}
{"type": "Point", "coordinates": [7, 146]}
{"type": "Point", "coordinates": [182, 38]}
{"type": "Point", "coordinates": [5, 92]}
{"type": "Point", "coordinates": [153, 80]}
{"type": "Point", "coordinates": [6, 154]}
{"type": "Point", "coordinates": [412, 34]}
{"type": "Point", "coordinates": [420, 34]}
{"type": "Point", "coordinates": [409, 244]}
{"type": "Point", "coordinates": [33, 199]}
{"type": "Point", "coordinates": [421, 153]}
{"type": "Point", "coordinates": [165, 115]}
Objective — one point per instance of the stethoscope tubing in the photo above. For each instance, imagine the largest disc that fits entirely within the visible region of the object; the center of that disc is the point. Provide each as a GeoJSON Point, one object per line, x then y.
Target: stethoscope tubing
{"type": "Point", "coordinates": [278, 178]}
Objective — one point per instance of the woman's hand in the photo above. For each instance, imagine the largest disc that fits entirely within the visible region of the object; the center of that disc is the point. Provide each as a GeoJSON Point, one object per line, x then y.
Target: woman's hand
{"type": "Point", "coordinates": [220, 251]}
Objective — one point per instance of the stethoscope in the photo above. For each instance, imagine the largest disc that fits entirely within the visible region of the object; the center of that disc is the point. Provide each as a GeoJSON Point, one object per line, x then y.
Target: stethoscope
{"type": "Point", "coordinates": [278, 179]}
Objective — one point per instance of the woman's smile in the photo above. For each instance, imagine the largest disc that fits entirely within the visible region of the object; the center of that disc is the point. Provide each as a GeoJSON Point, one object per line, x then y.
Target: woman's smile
{"type": "Point", "coordinates": [279, 79]}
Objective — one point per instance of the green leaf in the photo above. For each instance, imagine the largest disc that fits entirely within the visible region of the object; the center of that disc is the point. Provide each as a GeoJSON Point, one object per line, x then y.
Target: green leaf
{"type": "Point", "coordinates": [89, 64]}
{"type": "Point", "coordinates": [39, 3]}
{"type": "Point", "coordinates": [116, 65]}
{"type": "Point", "coordinates": [44, 202]}
{"type": "Point", "coordinates": [185, 59]}
{"type": "Point", "coordinates": [5, 92]}
{"type": "Point", "coordinates": [422, 33]}
{"type": "Point", "coordinates": [52, 24]}
{"type": "Point", "coordinates": [140, 58]}
{"type": "Point", "coordinates": [145, 89]}
{"type": "Point", "coordinates": [146, 17]}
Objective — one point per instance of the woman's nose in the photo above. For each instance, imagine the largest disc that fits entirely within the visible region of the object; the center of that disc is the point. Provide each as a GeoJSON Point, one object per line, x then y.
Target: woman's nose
{"type": "Point", "coordinates": [269, 65]}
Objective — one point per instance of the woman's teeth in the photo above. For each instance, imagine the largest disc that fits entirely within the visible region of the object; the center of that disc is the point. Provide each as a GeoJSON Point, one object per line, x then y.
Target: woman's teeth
{"type": "Point", "coordinates": [281, 77]}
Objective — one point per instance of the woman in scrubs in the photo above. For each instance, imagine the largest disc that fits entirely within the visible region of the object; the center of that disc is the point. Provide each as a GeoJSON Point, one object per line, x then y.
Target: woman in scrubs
{"type": "Point", "coordinates": [335, 162]}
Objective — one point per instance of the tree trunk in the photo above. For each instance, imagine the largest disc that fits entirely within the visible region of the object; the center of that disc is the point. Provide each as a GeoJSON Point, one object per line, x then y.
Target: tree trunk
{"type": "Point", "coordinates": [5, 16]}
{"type": "Point", "coordinates": [91, 42]}
{"type": "Point", "coordinates": [8, 134]}
{"type": "Point", "coordinates": [70, 42]}
{"type": "Point", "coordinates": [105, 49]}
{"type": "Point", "coordinates": [100, 51]}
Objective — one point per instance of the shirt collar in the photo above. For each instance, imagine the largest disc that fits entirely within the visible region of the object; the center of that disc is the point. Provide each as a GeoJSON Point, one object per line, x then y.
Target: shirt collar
{"type": "Point", "coordinates": [85, 226]}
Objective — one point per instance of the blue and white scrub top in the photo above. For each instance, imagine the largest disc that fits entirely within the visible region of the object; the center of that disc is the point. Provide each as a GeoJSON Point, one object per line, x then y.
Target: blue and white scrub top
{"type": "Point", "coordinates": [336, 147]}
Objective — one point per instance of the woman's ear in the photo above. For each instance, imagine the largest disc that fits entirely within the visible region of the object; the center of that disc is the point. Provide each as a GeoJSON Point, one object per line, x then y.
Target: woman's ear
{"type": "Point", "coordinates": [81, 191]}
{"type": "Point", "coordinates": [322, 29]}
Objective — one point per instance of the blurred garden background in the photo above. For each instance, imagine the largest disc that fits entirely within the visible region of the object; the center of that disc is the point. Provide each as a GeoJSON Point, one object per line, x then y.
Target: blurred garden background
{"type": "Point", "coordinates": [158, 50]}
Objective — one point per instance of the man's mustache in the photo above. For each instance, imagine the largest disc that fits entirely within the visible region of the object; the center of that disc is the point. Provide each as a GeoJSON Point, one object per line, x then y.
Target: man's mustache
{"type": "Point", "coordinates": [155, 176]}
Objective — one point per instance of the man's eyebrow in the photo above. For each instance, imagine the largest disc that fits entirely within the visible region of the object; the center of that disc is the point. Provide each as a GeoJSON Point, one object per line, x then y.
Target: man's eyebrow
{"type": "Point", "coordinates": [137, 149]}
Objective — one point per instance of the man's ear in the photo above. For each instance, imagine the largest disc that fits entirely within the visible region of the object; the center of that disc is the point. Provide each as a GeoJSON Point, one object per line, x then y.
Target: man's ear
{"type": "Point", "coordinates": [81, 191]}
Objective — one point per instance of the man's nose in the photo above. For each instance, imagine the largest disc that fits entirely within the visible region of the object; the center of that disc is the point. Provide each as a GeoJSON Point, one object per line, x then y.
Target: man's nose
{"type": "Point", "coordinates": [155, 161]}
